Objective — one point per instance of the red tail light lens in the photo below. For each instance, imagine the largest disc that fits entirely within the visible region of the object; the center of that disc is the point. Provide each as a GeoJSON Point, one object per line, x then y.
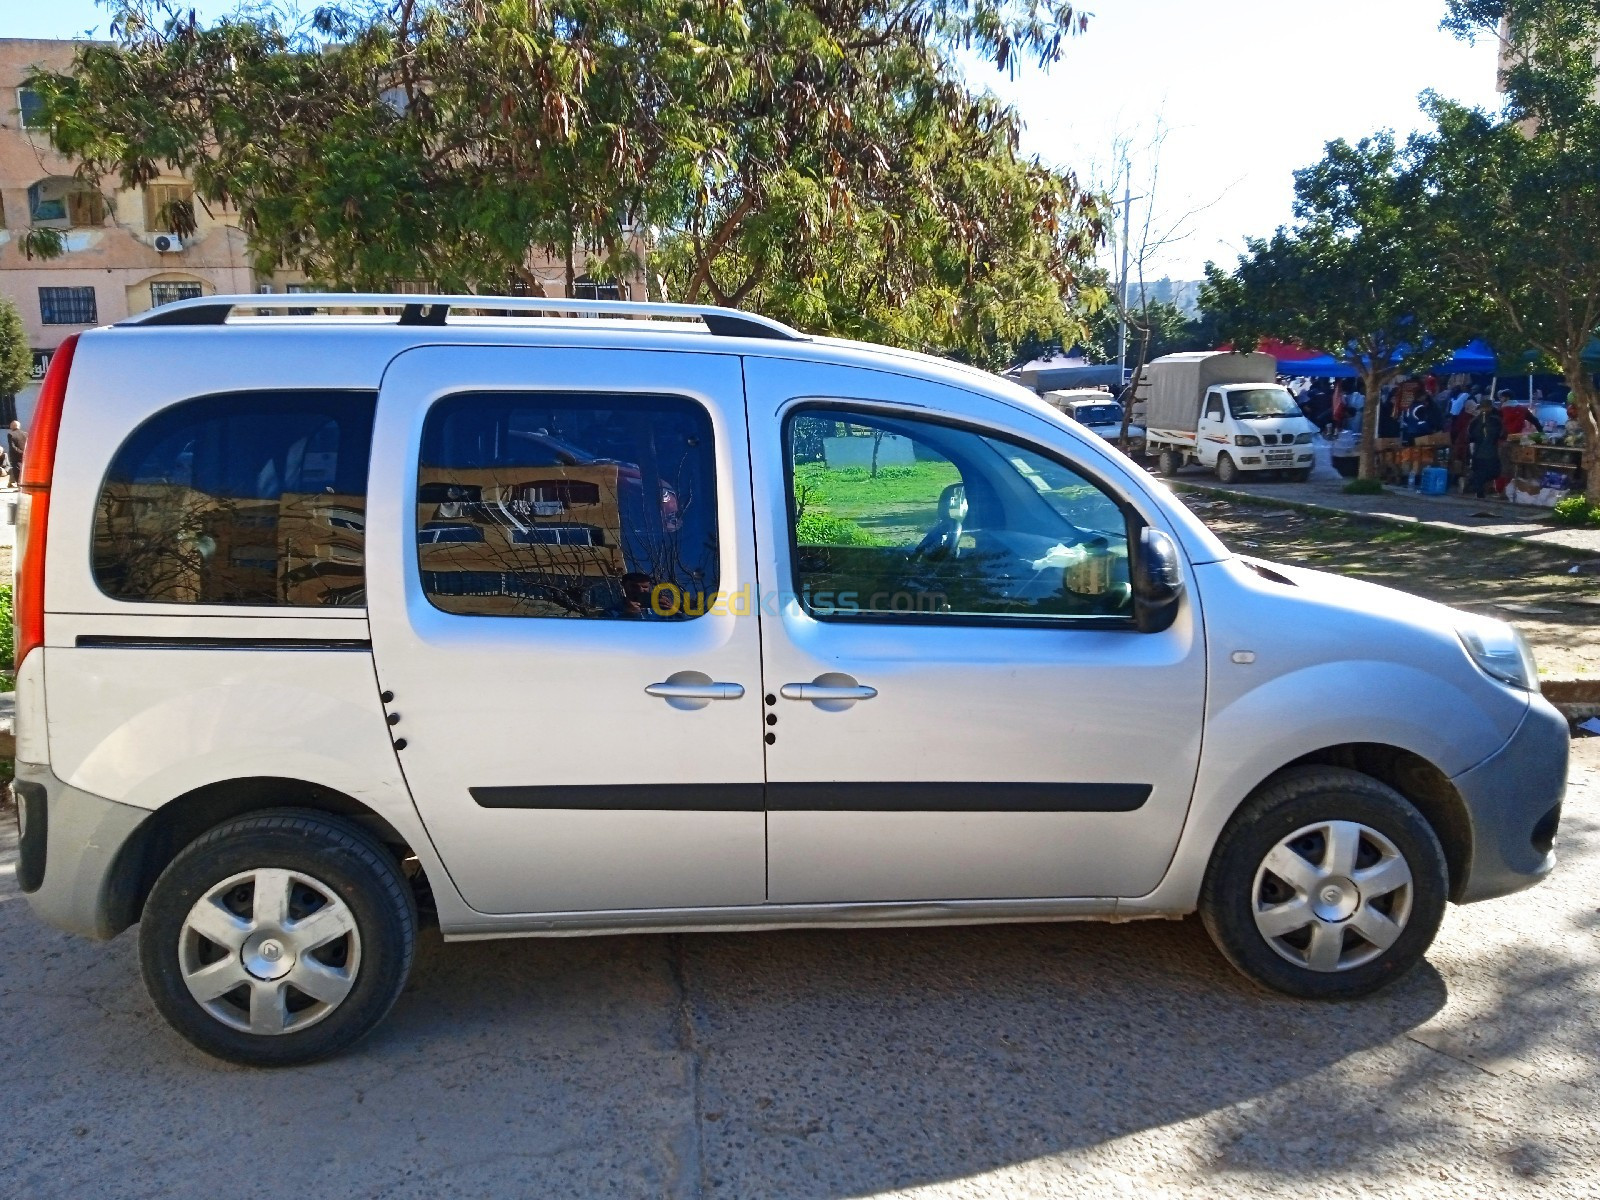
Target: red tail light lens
{"type": "Point", "coordinates": [33, 510]}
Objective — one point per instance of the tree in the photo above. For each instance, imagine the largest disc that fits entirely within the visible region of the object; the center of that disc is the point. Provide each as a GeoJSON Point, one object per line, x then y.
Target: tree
{"type": "Point", "coordinates": [1514, 200]}
{"type": "Point", "coordinates": [16, 358]}
{"type": "Point", "coordinates": [1156, 328]}
{"type": "Point", "coordinates": [1356, 275]}
{"type": "Point", "coordinates": [822, 160]}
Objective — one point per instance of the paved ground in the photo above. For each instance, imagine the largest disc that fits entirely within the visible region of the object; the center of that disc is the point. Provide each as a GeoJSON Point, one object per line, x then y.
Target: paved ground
{"type": "Point", "coordinates": [1457, 513]}
{"type": "Point", "coordinates": [1043, 1060]}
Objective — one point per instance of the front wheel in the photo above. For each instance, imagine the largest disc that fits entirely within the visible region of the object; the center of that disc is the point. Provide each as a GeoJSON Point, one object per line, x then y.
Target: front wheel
{"type": "Point", "coordinates": [1298, 475]}
{"type": "Point", "coordinates": [1168, 463]}
{"type": "Point", "coordinates": [278, 938]}
{"type": "Point", "coordinates": [1327, 884]}
{"type": "Point", "coordinates": [1227, 469]}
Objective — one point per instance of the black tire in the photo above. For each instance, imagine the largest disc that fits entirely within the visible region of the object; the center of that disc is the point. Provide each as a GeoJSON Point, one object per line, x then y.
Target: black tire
{"type": "Point", "coordinates": [1168, 463]}
{"type": "Point", "coordinates": [1287, 803]}
{"type": "Point", "coordinates": [337, 854]}
{"type": "Point", "coordinates": [1298, 475]}
{"type": "Point", "coordinates": [1227, 469]}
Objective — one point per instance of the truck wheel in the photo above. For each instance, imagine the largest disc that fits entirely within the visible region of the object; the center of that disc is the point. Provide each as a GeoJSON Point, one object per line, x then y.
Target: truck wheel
{"type": "Point", "coordinates": [278, 938]}
{"type": "Point", "coordinates": [1227, 469]}
{"type": "Point", "coordinates": [1326, 884]}
{"type": "Point", "coordinates": [1299, 474]}
{"type": "Point", "coordinates": [1168, 463]}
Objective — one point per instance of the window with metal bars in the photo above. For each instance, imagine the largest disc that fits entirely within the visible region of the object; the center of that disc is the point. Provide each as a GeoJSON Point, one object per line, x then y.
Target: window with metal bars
{"type": "Point", "coordinates": [166, 293]}
{"type": "Point", "coordinates": [68, 306]}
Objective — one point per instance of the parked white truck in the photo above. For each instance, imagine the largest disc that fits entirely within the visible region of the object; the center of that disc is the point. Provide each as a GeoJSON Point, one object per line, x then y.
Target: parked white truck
{"type": "Point", "coordinates": [1225, 411]}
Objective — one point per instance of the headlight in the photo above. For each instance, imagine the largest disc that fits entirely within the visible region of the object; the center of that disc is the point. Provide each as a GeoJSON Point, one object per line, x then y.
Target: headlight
{"type": "Point", "coordinates": [1247, 439]}
{"type": "Point", "coordinates": [1304, 439]}
{"type": "Point", "coordinates": [1500, 651]}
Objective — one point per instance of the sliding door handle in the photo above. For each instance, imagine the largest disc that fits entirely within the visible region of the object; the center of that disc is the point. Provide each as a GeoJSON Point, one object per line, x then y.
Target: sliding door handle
{"type": "Point", "coordinates": [695, 691]}
{"type": "Point", "coordinates": [823, 691]}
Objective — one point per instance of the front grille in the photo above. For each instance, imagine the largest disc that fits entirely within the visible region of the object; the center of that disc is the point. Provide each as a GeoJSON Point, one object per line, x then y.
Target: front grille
{"type": "Point", "coordinates": [1269, 439]}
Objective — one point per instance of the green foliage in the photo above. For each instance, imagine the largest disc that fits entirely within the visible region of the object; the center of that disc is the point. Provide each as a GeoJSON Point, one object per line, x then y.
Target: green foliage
{"type": "Point", "coordinates": [1362, 487]}
{"type": "Point", "coordinates": [1513, 201]}
{"type": "Point", "coordinates": [1168, 331]}
{"type": "Point", "coordinates": [16, 358]}
{"type": "Point", "coordinates": [1357, 275]}
{"type": "Point", "coordinates": [8, 639]}
{"type": "Point", "coordinates": [825, 529]}
{"type": "Point", "coordinates": [1575, 510]}
{"type": "Point", "coordinates": [824, 164]}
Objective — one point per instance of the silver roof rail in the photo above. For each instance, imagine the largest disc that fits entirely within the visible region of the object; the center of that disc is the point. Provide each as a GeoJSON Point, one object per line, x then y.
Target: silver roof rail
{"type": "Point", "coordinates": [433, 310]}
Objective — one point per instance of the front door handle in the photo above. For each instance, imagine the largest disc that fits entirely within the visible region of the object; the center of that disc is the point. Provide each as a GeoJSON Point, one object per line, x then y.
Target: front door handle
{"type": "Point", "coordinates": [823, 691]}
{"type": "Point", "coordinates": [695, 691]}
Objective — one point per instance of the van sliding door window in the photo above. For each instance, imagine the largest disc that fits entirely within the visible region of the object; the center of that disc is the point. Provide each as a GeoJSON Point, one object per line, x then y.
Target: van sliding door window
{"type": "Point", "coordinates": [251, 498]}
{"type": "Point", "coordinates": [541, 504]}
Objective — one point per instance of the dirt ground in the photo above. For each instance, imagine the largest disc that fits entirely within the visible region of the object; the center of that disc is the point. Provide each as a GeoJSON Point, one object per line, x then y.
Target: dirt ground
{"type": "Point", "coordinates": [1533, 587]}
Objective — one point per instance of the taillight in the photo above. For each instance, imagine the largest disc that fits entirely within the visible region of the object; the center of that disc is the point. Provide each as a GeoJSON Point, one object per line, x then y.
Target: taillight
{"type": "Point", "coordinates": [33, 508]}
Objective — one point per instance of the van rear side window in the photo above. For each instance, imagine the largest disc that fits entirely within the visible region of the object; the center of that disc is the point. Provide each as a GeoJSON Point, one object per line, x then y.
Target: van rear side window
{"type": "Point", "coordinates": [247, 498]}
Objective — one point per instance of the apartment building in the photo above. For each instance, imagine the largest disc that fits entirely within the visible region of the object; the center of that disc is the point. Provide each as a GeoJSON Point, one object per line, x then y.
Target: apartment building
{"type": "Point", "coordinates": [122, 252]}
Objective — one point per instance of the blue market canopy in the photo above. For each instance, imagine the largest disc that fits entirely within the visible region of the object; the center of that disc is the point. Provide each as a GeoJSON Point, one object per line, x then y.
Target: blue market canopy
{"type": "Point", "coordinates": [1475, 358]}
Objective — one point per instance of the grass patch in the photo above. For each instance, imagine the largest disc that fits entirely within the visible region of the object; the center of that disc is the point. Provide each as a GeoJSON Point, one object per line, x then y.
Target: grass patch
{"type": "Point", "coordinates": [1363, 487]}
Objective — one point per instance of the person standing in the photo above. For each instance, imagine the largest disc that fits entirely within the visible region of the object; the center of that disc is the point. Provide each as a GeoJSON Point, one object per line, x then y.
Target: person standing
{"type": "Point", "coordinates": [1485, 435]}
{"type": "Point", "coordinates": [16, 444]}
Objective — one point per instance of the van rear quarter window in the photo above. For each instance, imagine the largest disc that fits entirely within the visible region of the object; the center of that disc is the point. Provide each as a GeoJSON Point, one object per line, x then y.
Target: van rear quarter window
{"type": "Point", "coordinates": [584, 505]}
{"type": "Point", "coordinates": [254, 498]}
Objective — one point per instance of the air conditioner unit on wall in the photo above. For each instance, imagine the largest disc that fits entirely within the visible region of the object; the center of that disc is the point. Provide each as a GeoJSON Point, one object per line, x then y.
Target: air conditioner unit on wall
{"type": "Point", "coordinates": [167, 243]}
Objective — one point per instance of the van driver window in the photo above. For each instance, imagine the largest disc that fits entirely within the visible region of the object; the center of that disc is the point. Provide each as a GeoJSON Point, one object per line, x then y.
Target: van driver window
{"type": "Point", "coordinates": [895, 518]}
{"type": "Point", "coordinates": [540, 504]}
{"type": "Point", "coordinates": [1214, 406]}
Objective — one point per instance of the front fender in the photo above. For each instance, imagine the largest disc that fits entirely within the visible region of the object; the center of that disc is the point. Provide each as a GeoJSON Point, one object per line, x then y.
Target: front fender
{"type": "Point", "coordinates": [1260, 729]}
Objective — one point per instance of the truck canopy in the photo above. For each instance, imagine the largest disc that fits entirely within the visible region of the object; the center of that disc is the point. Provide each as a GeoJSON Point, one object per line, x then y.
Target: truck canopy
{"type": "Point", "coordinates": [1172, 387]}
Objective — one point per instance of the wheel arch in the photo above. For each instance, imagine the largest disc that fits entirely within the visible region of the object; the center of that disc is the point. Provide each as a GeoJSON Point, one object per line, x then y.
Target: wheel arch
{"type": "Point", "coordinates": [184, 818]}
{"type": "Point", "coordinates": [1422, 783]}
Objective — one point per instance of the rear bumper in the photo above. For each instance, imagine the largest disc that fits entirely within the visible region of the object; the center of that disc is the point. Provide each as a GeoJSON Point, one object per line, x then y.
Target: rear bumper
{"type": "Point", "coordinates": [70, 860]}
{"type": "Point", "coordinates": [1513, 801]}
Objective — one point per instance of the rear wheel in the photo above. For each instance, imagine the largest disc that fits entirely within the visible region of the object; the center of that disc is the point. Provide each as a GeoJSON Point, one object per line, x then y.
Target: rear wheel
{"type": "Point", "coordinates": [278, 938]}
{"type": "Point", "coordinates": [1327, 884]}
{"type": "Point", "coordinates": [1227, 469]}
{"type": "Point", "coordinates": [1168, 463]}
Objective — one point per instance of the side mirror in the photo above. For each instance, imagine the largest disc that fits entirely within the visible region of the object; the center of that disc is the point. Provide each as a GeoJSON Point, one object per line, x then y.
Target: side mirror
{"type": "Point", "coordinates": [1157, 582]}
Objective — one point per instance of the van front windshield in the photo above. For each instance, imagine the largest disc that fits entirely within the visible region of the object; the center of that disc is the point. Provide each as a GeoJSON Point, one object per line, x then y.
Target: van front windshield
{"type": "Point", "coordinates": [1254, 404]}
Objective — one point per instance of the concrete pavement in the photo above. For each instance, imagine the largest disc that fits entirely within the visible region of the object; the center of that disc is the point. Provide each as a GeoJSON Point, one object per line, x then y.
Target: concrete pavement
{"type": "Point", "coordinates": [1036, 1060]}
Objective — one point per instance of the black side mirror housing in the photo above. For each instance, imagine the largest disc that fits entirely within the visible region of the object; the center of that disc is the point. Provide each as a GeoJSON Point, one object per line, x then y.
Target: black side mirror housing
{"type": "Point", "coordinates": [1157, 582]}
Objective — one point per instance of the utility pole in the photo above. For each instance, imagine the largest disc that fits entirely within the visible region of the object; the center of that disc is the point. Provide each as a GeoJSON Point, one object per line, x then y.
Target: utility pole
{"type": "Point", "coordinates": [1122, 286]}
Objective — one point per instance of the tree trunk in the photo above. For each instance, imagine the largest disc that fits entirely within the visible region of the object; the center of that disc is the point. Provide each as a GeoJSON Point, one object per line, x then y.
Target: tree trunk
{"type": "Point", "coordinates": [1584, 404]}
{"type": "Point", "coordinates": [1370, 420]}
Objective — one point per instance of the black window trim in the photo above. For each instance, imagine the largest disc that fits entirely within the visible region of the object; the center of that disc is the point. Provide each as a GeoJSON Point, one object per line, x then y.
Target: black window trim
{"type": "Point", "coordinates": [213, 608]}
{"type": "Point", "coordinates": [1135, 522]}
{"type": "Point", "coordinates": [415, 571]}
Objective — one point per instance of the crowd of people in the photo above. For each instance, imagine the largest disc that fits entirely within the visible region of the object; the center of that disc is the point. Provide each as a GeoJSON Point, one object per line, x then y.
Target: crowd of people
{"type": "Point", "coordinates": [1481, 422]}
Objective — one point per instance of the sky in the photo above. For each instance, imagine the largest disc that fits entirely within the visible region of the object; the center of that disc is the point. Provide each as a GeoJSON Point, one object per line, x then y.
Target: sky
{"type": "Point", "coordinates": [1247, 91]}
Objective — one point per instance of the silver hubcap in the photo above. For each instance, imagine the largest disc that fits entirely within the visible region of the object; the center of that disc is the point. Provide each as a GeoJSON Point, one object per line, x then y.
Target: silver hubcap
{"type": "Point", "coordinates": [1332, 896]}
{"type": "Point", "coordinates": [269, 951]}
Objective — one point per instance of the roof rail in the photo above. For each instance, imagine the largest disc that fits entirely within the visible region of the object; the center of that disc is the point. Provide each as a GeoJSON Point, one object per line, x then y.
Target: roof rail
{"type": "Point", "coordinates": [433, 310]}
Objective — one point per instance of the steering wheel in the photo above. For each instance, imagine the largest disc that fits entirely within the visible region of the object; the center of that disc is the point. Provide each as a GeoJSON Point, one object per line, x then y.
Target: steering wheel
{"type": "Point", "coordinates": [941, 542]}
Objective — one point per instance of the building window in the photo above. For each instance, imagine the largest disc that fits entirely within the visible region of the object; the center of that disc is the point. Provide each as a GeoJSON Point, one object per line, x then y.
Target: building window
{"type": "Point", "coordinates": [168, 208]}
{"type": "Point", "coordinates": [68, 306]}
{"type": "Point", "coordinates": [63, 203]}
{"type": "Point", "coordinates": [166, 293]}
{"type": "Point", "coordinates": [30, 107]}
{"type": "Point", "coordinates": [299, 289]}
{"type": "Point", "coordinates": [584, 288]}
{"type": "Point", "coordinates": [251, 498]}
{"type": "Point", "coordinates": [575, 505]}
